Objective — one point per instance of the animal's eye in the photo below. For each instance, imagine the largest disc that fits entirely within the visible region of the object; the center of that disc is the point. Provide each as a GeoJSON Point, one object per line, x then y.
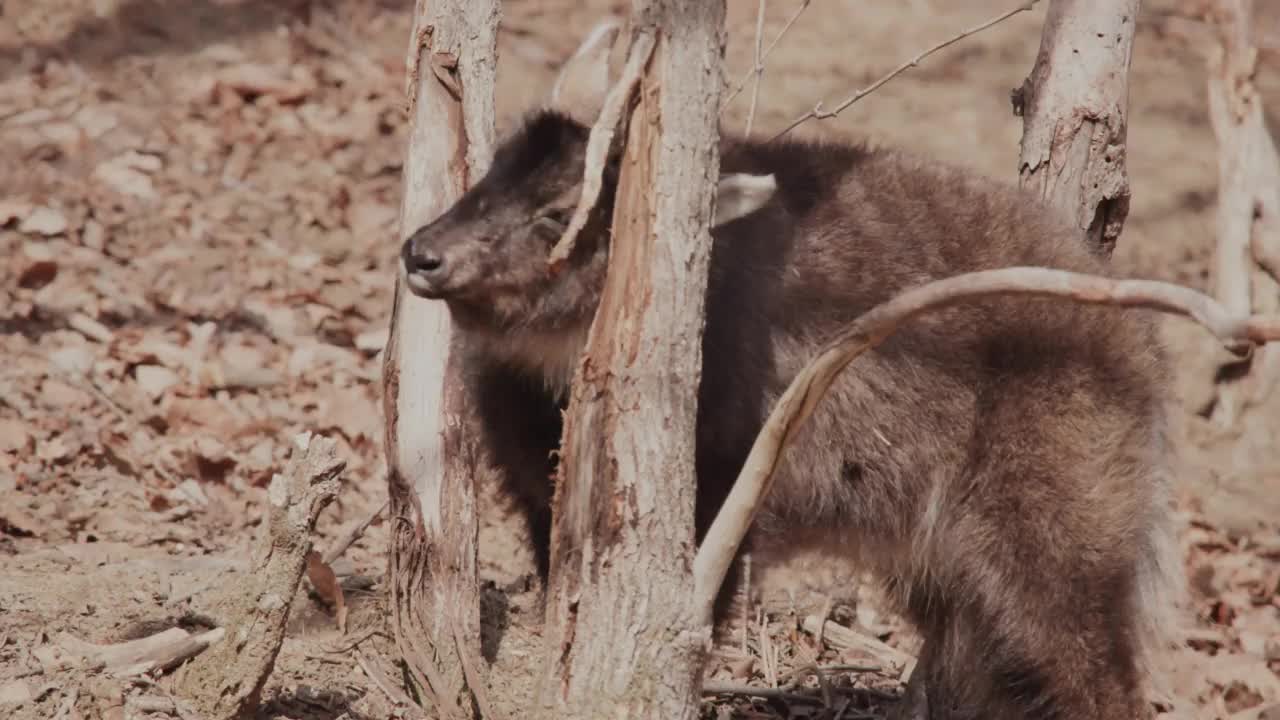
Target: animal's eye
{"type": "Point", "coordinates": [551, 224]}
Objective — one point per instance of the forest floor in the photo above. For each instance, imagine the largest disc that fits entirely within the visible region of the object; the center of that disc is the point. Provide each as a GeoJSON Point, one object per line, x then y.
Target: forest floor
{"type": "Point", "coordinates": [198, 206]}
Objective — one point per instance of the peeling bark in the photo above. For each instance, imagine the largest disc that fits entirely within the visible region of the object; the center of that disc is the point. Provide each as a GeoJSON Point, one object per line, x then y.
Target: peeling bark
{"type": "Point", "coordinates": [1074, 107]}
{"type": "Point", "coordinates": [432, 462]}
{"type": "Point", "coordinates": [624, 636]}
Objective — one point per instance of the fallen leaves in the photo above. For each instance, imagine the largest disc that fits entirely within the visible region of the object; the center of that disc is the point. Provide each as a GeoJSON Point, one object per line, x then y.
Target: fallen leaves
{"type": "Point", "coordinates": [43, 221]}
{"type": "Point", "coordinates": [130, 174]}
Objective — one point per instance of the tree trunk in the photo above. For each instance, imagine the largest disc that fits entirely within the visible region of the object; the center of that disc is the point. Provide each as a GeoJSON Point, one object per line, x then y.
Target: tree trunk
{"type": "Point", "coordinates": [434, 593]}
{"type": "Point", "coordinates": [1074, 107]}
{"type": "Point", "coordinates": [624, 636]}
{"type": "Point", "coordinates": [1247, 259]}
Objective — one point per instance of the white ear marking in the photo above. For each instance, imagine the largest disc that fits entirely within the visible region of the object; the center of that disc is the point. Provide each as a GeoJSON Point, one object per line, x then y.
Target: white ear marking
{"type": "Point", "coordinates": [740, 194]}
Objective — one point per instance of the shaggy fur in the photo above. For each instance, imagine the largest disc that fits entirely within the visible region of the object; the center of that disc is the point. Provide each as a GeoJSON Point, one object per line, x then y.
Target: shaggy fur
{"type": "Point", "coordinates": [1001, 464]}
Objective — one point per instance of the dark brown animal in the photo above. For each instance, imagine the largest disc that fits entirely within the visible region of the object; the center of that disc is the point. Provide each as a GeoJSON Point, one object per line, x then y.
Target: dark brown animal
{"type": "Point", "coordinates": [1000, 464]}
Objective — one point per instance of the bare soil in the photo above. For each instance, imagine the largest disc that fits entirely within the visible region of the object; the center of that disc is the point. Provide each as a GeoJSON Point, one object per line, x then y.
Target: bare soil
{"type": "Point", "coordinates": [198, 201]}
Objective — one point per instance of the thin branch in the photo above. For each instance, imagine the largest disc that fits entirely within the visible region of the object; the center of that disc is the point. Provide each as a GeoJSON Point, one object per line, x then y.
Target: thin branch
{"type": "Point", "coordinates": [747, 76]}
{"type": "Point", "coordinates": [601, 138]}
{"type": "Point", "coordinates": [818, 113]}
{"type": "Point", "coordinates": [759, 67]}
{"type": "Point", "coordinates": [336, 550]}
{"type": "Point", "coordinates": [794, 696]}
{"type": "Point", "coordinates": [1239, 333]}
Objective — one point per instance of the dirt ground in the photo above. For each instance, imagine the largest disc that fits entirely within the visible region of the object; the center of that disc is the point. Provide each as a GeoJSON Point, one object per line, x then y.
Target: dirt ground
{"type": "Point", "coordinates": [198, 201]}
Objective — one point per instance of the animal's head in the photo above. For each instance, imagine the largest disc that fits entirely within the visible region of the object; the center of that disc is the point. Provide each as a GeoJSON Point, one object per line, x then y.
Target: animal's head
{"type": "Point", "coordinates": [487, 256]}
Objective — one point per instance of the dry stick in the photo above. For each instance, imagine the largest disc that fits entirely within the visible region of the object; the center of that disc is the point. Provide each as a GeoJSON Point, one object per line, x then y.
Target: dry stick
{"type": "Point", "coordinates": [600, 140]}
{"type": "Point", "coordinates": [872, 328]}
{"type": "Point", "coordinates": [846, 638]}
{"type": "Point", "coordinates": [758, 69]}
{"type": "Point", "coordinates": [747, 77]}
{"type": "Point", "coordinates": [722, 688]}
{"type": "Point", "coordinates": [818, 113]}
{"type": "Point", "coordinates": [335, 552]}
{"type": "Point", "coordinates": [161, 651]}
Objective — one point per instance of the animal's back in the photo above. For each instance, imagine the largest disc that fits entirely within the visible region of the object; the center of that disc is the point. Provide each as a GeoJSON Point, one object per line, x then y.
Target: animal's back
{"type": "Point", "coordinates": [1006, 451]}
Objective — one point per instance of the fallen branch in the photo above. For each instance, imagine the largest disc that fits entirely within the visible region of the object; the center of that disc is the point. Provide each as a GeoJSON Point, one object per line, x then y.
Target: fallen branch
{"type": "Point", "coordinates": [795, 696]}
{"type": "Point", "coordinates": [818, 113]}
{"type": "Point", "coordinates": [160, 652]}
{"type": "Point", "coordinates": [716, 553]}
{"type": "Point", "coordinates": [601, 138]}
{"type": "Point", "coordinates": [335, 551]}
{"type": "Point", "coordinates": [227, 681]}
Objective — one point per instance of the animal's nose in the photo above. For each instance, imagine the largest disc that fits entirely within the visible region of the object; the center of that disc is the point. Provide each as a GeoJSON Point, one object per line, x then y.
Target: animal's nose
{"type": "Point", "coordinates": [421, 261]}
{"type": "Point", "coordinates": [425, 263]}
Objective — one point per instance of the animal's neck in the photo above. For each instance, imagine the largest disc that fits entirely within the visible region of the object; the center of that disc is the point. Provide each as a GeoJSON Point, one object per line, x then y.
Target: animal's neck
{"type": "Point", "coordinates": [551, 357]}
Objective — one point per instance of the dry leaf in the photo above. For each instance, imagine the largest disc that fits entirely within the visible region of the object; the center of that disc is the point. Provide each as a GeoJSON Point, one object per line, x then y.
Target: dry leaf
{"type": "Point", "coordinates": [37, 273]}
{"type": "Point", "coordinates": [14, 436]}
{"type": "Point", "coordinates": [129, 174]}
{"type": "Point", "coordinates": [251, 80]}
{"type": "Point", "coordinates": [371, 341]}
{"type": "Point", "coordinates": [18, 522]}
{"type": "Point", "coordinates": [11, 210]}
{"type": "Point", "coordinates": [327, 586]}
{"type": "Point", "coordinates": [155, 379]}
{"type": "Point", "coordinates": [77, 360]}
{"type": "Point", "coordinates": [44, 221]}
{"type": "Point", "coordinates": [93, 235]}
{"type": "Point", "coordinates": [95, 121]}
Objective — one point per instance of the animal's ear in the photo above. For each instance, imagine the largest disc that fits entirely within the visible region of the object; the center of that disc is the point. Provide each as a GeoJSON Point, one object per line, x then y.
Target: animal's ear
{"type": "Point", "coordinates": [585, 78]}
{"type": "Point", "coordinates": [739, 194]}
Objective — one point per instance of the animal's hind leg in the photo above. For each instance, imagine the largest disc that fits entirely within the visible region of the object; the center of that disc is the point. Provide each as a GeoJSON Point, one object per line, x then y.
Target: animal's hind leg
{"type": "Point", "coordinates": [1032, 615]}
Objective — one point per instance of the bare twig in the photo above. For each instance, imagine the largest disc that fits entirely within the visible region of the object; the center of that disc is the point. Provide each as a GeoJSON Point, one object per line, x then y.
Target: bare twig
{"type": "Point", "coordinates": [746, 599]}
{"type": "Point", "coordinates": [335, 551]}
{"type": "Point", "coordinates": [758, 68]}
{"type": "Point", "coordinates": [818, 113]}
{"type": "Point", "coordinates": [722, 688]}
{"type": "Point", "coordinates": [763, 58]}
{"type": "Point", "coordinates": [353, 644]}
{"type": "Point", "coordinates": [797, 675]}
{"type": "Point", "coordinates": [872, 328]}
{"type": "Point", "coordinates": [601, 138]}
{"type": "Point", "coordinates": [819, 637]}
